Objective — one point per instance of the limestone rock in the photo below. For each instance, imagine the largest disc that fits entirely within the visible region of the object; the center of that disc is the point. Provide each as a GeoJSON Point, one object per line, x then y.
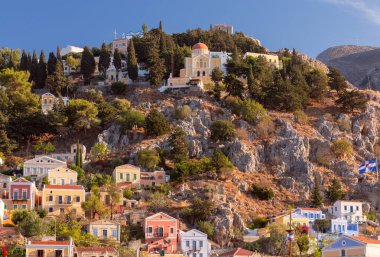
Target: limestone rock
{"type": "Point", "coordinates": [241, 156]}
{"type": "Point", "coordinates": [113, 137]}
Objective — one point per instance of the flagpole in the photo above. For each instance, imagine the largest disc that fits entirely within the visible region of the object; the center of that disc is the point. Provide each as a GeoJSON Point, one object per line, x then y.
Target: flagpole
{"type": "Point", "coordinates": [377, 171]}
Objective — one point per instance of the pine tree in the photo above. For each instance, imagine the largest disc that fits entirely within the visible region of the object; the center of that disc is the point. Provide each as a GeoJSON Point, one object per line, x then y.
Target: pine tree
{"type": "Point", "coordinates": [335, 192]}
{"type": "Point", "coordinates": [132, 62]}
{"type": "Point", "coordinates": [160, 27]}
{"type": "Point", "coordinates": [59, 57]}
{"type": "Point", "coordinates": [41, 74]}
{"type": "Point", "coordinates": [57, 81]}
{"type": "Point", "coordinates": [162, 45]}
{"type": "Point", "coordinates": [52, 62]}
{"type": "Point", "coordinates": [156, 67]}
{"type": "Point", "coordinates": [88, 65]}
{"type": "Point", "coordinates": [34, 67]}
{"type": "Point", "coordinates": [179, 144]}
{"type": "Point", "coordinates": [317, 196]}
{"type": "Point", "coordinates": [104, 60]}
{"type": "Point", "coordinates": [24, 61]}
{"type": "Point", "coordinates": [117, 62]}
{"type": "Point", "coordinates": [30, 66]}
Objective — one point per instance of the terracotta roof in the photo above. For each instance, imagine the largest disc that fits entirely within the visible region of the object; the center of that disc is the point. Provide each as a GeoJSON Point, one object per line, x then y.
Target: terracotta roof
{"type": "Point", "coordinates": [49, 243]}
{"type": "Point", "coordinates": [77, 187]}
{"type": "Point", "coordinates": [95, 249]}
{"type": "Point", "coordinates": [10, 231]}
{"type": "Point", "coordinates": [238, 251]}
{"type": "Point", "coordinates": [310, 209]}
{"type": "Point", "coordinates": [127, 166]}
{"type": "Point", "coordinates": [62, 169]}
{"type": "Point", "coordinates": [199, 46]}
{"type": "Point", "coordinates": [365, 240]}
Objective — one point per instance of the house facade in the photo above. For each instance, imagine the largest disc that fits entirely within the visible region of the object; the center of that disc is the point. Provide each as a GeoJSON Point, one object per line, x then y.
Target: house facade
{"type": "Point", "coordinates": [38, 167]}
{"type": "Point", "coordinates": [50, 249]}
{"type": "Point", "coordinates": [297, 220]}
{"type": "Point", "coordinates": [48, 100]}
{"type": "Point", "coordinates": [352, 211]}
{"type": "Point", "coordinates": [270, 58]}
{"type": "Point", "coordinates": [150, 179]}
{"type": "Point", "coordinates": [58, 199]}
{"type": "Point", "coordinates": [223, 27]}
{"type": "Point", "coordinates": [4, 183]}
{"type": "Point", "coordinates": [349, 246]}
{"type": "Point", "coordinates": [127, 174]}
{"type": "Point", "coordinates": [105, 230]}
{"type": "Point", "coordinates": [194, 243]}
{"type": "Point", "coordinates": [22, 195]}
{"type": "Point", "coordinates": [311, 213]}
{"type": "Point", "coordinates": [162, 233]}
{"type": "Point", "coordinates": [96, 252]}
{"type": "Point", "coordinates": [342, 227]}
{"type": "Point", "coordinates": [62, 176]}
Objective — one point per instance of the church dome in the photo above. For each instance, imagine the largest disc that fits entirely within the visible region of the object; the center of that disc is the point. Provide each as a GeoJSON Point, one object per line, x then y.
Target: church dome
{"type": "Point", "coordinates": [199, 46]}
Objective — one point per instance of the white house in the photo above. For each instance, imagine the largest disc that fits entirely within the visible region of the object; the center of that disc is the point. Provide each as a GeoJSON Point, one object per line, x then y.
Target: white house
{"type": "Point", "coordinates": [341, 227]}
{"type": "Point", "coordinates": [194, 243]}
{"type": "Point", "coordinates": [352, 211]}
{"type": "Point", "coordinates": [38, 167]}
{"type": "Point", "coordinates": [311, 213]}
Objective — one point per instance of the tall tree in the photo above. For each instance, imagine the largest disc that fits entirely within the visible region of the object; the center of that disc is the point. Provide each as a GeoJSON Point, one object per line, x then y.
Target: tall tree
{"type": "Point", "coordinates": [132, 62]}
{"type": "Point", "coordinates": [144, 29]}
{"type": "Point", "coordinates": [52, 62]}
{"type": "Point", "coordinates": [179, 144]}
{"type": "Point", "coordinates": [88, 65]}
{"type": "Point", "coordinates": [250, 78]}
{"type": "Point", "coordinates": [160, 27]}
{"type": "Point", "coordinates": [335, 192]}
{"type": "Point", "coordinates": [29, 65]}
{"type": "Point", "coordinates": [24, 61]}
{"type": "Point", "coordinates": [59, 57]}
{"type": "Point", "coordinates": [34, 68]}
{"type": "Point", "coordinates": [104, 60]}
{"type": "Point", "coordinates": [117, 62]}
{"type": "Point", "coordinates": [115, 197]}
{"type": "Point", "coordinates": [156, 66]}
{"type": "Point", "coordinates": [317, 196]}
{"type": "Point", "coordinates": [336, 80]}
{"type": "Point", "coordinates": [57, 81]}
{"type": "Point", "coordinates": [42, 73]}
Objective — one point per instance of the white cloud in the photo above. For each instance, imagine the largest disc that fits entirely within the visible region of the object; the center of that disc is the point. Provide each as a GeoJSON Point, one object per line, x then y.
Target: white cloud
{"type": "Point", "coordinates": [370, 9]}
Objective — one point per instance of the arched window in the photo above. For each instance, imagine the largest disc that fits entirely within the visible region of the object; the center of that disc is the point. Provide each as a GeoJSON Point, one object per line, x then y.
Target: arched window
{"type": "Point", "coordinates": [204, 73]}
{"type": "Point", "coordinates": [198, 73]}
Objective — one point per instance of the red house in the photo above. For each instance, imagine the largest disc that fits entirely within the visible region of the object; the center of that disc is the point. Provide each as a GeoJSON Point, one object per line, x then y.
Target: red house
{"type": "Point", "coordinates": [21, 195]}
{"type": "Point", "coordinates": [162, 233]}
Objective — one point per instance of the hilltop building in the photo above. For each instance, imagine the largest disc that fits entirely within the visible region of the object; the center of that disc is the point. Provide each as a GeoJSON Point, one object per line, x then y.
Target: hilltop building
{"type": "Point", "coordinates": [223, 27]}
{"type": "Point", "coordinates": [271, 58]}
{"type": "Point", "coordinates": [121, 44]}
{"type": "Point", "coordinates": [48, 100]}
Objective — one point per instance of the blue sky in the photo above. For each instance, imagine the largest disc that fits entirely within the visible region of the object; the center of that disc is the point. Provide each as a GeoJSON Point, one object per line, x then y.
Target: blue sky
{"type": "Point", "coordinates": [307, 25]}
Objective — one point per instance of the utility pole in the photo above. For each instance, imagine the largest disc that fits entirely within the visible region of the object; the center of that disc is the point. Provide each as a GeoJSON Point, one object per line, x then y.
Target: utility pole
{"type": "Point", "coordinates": [290, 232]}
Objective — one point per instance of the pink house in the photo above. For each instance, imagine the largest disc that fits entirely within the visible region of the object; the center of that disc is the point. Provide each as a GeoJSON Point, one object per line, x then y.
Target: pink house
{"type": "Point", "coordinates": [162, 233]}
{"type": "Point", "coordinates": [155, 178]}
{"type": "Point", "coordinates": [21, 195]}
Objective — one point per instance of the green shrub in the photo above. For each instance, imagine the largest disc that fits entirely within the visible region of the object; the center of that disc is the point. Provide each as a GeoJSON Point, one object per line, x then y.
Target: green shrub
{"type": "Point", "coordinates": [207, 227]}
{"type": "Point", "coordinates": [222, 130]}
{"type": "Point", "coordinates": [263, 193]}
{"type": "Point", "coordinates": [128, 193]}
{"type": "Point", "coordinates": [132, 119]}
{"type": "Point", "coordinates": [117, 162]}
{"type": "Point", "coordinates": [342, 147]}
{"type": "Point", "coordinates": [220, 161]}
{"type": "Point", "coordinates": [118, 88]}
{"type": "Point", "coordinates": [183, 170]}
{"type": "Point", "coordinates": [260, 222]}
{"type": "Point", "coordinates": [156, 124]}
{"type": "Point", "coordinates": [249, 110]}
{"type": "Point", "coordinates": [182, 112]}
{"type": "Point", "coordinates": [301, 117]}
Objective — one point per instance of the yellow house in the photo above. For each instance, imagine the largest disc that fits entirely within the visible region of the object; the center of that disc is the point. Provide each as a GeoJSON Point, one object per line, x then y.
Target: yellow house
{"type": "Point", "coordinates": [127, 174]}
{"type": "Point", "coordinates": [105, 230]}
{"type": "Point", "coordinates": [297, 220]}
{"type": "Point", "coordinates": [271, 58]}
{"type": "Point", "coordinates": [50, 249]}
{"type": "Point", "coordinates": [62, 176]}
{"type": "Point", "coordinates": [58, 199]}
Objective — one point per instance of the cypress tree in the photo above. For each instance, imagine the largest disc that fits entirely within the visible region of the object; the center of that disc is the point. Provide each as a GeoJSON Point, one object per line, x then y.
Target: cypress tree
{"type": "Point", "coordinates": [117, 62]}
{"type": "Point", "coordinates": [41, 75]}
{"type": "Point", "coordinates": [57, 81]}
{"type": "Point", "coordinates": [104, 60]}
{"type": "Point", "coordinates": [24, 61]}
{"type": "Point", "coordinates": [156, 67]}
{"type": "Point", "coordinates": [132, 62]}
{"type": "Point", "coordinates": [87, 64]}
{"type": "Point", "coordinates": [30, 66]}
{"type": "Point", "coordinates": [250, 78]}
{"type": "Point", "coordinates": [52, 62]}
{"type": "Point", "coordinates": [317, 196]}
{"type": "Point", "coordinates": [59, 57]}
{"type": "Point", "coordinates": [335, 192]}
{"type": "Point", "coordinates": [78, 156]}
{"type": "Point", "coordinates": [160, 27]}
{"type": "Point", "coordinates": [34, 67]}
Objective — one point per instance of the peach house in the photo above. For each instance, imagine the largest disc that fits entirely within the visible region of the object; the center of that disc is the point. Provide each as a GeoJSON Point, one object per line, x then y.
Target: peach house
{"type": "Point", "coordinates": [150, 179]}
{"type": "Point", "coordinates": [127, 175]}
{"type": "Point", "coordinates": [162, 233]}
{"type": "Point", "coordinates": [50, 249]}
{"type": "Point", "coordinates": [62, 176]}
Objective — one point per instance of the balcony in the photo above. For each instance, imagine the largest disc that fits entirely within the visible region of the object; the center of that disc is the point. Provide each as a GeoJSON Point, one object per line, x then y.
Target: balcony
{"type": "Point", "coordinates": [61, 202]}
{"type": "Point", "coordinates": [157, 235]}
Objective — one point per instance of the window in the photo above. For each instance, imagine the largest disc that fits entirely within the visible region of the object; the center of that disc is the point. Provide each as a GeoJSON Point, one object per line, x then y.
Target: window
{"type": "Point", "coordinates": [114, 233]}
{"type": "Point", "coordinates": [312, 215]}
{"type": "Point", "coordinates": [357, 208]}
{"type": "Point", "coordinates": [61, 210]}
{"type": "Point", "coordinates": [69, 199]}
{"type": "Point", "coordinates": [198, 73]}
{"type": "Point", "coordinates": [345, 208]}
{"type": "Point", "coordinates": [54, 181]}
{"type": "Point", "coordinates": [95, 232]}
{"type": "Point", "coordinates": [343, 252]}
{"type": "Point", "coordinates": [60, 199]}
{"type": "Point", "coordinates": [15, 194]}
{"type": "Point", "coordinates": [23, 206]}
{"type": "Point", "coordinates": [200, 243]}
{"type": "Point", "coordinates": [77, 199]}
{"type": "Point", "coordinates": [15, 206]}
{"type": "Point", "coordinates": [187, 243]}
{"type": "Point", "coordinates": [24, 194]}
{"type": "Point", "coordinates": [71, 181]}
{"type": "Point", "coordinates": [51, 209]}
{"type": "Point", "coordinates": [127, 176]}
{"type": "Point", "coordinates": [50, 198]}
{"type": "Point", "coordinates": [160, 231]}
{"type": "Point", "coordinates": [121, 176]}
{"type": "Point", "coordinates": [40, 253]}
{"type": "Point", "coordinates": [171, 230]}
{"type": "Point", "coordinates": [336, 208]}
{"type": "Point", "coordinates": [41, 170]}
{"type": "Point", "coordinates": [62, 181]}
{"type": "Point", "coordinates": [204, 73]}
{"type": "Point", "coordinates": [150, 230]}
{"type": "Point", "coordinates": [58, 253]}
{"type": "Point", "coordinates": [194, 245]}
{"type": "Point", "coordinates": [105, 234]}
{"type": "Point", "coordinates": [134, 177]}
{"type": "Point", "coordinates": [194, 255]}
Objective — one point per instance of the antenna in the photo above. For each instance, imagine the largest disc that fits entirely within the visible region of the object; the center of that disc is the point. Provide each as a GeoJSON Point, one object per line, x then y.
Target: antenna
{"type": "Point", "coordinates": [115, 33]}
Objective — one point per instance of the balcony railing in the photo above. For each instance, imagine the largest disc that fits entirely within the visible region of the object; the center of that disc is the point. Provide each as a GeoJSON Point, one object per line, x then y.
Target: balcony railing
{"type": "Point", "coordinates": [157, 235]}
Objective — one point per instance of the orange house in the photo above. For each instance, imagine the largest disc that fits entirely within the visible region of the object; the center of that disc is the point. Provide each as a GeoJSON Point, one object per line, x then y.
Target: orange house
{"type": "Point", "coordinates": [162, 233]}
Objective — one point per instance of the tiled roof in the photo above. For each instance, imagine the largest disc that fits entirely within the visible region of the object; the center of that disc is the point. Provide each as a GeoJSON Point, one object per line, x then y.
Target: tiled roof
{"type": "Point", "coordinates": [21, 180]}
{"type": "Point", "coordinates": [62, 169]}
{"type": "Point", "coordinates": [95, 249]}
{"type": "Point", "coordinates": [154, 216]}
{"type": "Point", "coordinates": [199, 46]}
{"type": "Point", "coordinates": [127, 166]}
{"type": "Point", "coordinates": [309, 209]}
{"type": "Point", "coordinates": [365, 240]}
{"type": "Point", "coordinates": [238, 251]}
{"type": "Point", "coordinates": [76, 187]}
{"type": "Point", "coordinates": [49, 243]}
{"type": "Point", "coordinates": [104, 221]}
